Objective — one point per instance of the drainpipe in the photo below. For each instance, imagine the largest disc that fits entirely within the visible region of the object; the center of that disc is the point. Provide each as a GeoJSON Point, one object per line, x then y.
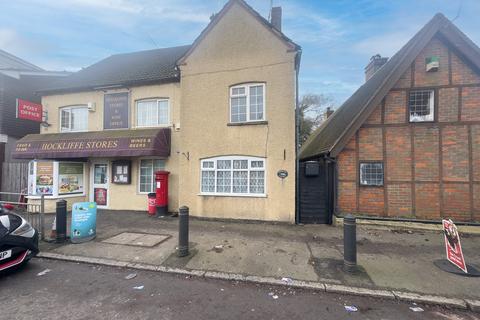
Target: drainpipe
{"type": "Point", "coordinates": [297, 140]}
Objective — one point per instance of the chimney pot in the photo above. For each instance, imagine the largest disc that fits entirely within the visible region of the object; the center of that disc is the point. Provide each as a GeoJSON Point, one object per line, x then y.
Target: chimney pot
{"type": "Point", "coordinates": [276, 18]}
{"type": "Point", "coordinates": [376, 62]}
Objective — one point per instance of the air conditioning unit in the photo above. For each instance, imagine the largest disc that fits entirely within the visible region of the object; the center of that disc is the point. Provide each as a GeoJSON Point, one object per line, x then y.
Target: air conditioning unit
{"type": "Point", "coordinates": [91, 106]}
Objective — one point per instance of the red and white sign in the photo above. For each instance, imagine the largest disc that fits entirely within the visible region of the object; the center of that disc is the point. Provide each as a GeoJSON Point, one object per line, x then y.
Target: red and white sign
{"type": "Point", "coordinates": [29, 110]}
{"type": "Point", "coordinates": [452, 245]}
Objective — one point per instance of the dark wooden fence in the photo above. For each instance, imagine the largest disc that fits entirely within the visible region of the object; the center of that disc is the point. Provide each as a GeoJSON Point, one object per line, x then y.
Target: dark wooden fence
{"type": "Point", "coordinates": [14, 179]}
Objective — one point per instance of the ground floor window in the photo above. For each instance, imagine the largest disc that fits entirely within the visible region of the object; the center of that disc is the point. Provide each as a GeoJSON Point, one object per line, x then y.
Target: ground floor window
{"type": "Point", "coordinates": [233, 175]}
{"type": "Point", "coordinates": [53, 178]}
{"type": "Point", "coordinates": [371, 174]}
{"type": "Point", "coordinates": [148, 167]}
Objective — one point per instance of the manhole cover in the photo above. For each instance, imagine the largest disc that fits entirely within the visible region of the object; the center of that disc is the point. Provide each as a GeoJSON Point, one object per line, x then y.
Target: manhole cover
{"type": "Point", "coordinates": [137, 239]}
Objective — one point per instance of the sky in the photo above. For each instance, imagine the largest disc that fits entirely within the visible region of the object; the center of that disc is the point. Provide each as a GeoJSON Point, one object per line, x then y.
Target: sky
{"type": "Point", "coordinates": [337, 37]}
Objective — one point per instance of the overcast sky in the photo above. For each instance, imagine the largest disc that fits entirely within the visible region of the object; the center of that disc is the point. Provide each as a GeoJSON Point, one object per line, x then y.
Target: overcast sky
{"type": "Point", "coordinates": [337, 36]}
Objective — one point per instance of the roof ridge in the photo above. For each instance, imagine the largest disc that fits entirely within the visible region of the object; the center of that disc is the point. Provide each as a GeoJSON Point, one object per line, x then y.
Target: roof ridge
{"type": "Point", "coordinates": [20, 60]}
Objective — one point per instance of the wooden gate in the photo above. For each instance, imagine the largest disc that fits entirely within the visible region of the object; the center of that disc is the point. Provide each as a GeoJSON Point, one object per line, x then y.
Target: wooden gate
{"type": "Point", "coordinates": [315, 191]}
{"type": "Point", "coordinates": [14, 179]}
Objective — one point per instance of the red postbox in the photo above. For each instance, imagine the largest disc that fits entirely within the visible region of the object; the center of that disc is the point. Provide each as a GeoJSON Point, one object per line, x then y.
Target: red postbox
{"type": "Point", "coordinates": [161, 188]}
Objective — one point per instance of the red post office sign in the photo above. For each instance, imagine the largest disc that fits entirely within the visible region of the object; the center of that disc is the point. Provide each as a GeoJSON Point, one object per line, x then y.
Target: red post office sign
{"type": "Point", "coordinates": [29, 110]}
{"type": "Point", "coordinates": [453, 246]}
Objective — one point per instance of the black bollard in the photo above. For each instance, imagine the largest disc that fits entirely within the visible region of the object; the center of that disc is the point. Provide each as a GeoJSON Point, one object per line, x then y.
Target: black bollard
{"type": "Point", "coordinates": [183, 231]}
{"type": "Point", "coordinates": [61, 221]}
{"type": "Point", "coordinates": [350, 243]}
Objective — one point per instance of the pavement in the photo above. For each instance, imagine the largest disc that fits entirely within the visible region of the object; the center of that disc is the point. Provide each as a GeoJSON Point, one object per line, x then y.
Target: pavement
{"type": "Point", "coordinates": [393, 261]}
{"type": "Point", "coordinates": [48, 289]}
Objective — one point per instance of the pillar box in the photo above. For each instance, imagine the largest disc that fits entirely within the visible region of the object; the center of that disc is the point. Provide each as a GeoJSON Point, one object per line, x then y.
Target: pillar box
{"type": "Point", "coordinates": [161, 189]}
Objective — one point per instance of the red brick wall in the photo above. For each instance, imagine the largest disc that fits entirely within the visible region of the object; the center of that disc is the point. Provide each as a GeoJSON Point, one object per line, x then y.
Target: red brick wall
{"type": "Point", "coordinates": [432, 170]}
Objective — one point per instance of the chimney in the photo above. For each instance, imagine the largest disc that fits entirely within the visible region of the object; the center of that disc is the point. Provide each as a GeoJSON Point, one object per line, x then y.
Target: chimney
{"type": "Point", "coordinates": [376, 62]}
{"type": "Point", "coordinates": [276, 18]}
{"type": "Point", "coordinates": [328, 113]}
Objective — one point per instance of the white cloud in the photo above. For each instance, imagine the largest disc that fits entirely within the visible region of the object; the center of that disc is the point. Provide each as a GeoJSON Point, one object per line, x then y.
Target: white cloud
{"type": "Point", "coordinates": [384, 44]}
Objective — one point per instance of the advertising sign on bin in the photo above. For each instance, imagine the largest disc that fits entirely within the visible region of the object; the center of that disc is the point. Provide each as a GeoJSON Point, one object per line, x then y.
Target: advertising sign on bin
{"type": "Point", "coordinates": [453, 246]}
{"type": "Point", "coordinates": [84, 222]}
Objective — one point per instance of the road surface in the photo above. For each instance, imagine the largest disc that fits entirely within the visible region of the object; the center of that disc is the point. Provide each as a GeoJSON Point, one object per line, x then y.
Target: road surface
{"type": "Point", "coordinates": [82, 291]}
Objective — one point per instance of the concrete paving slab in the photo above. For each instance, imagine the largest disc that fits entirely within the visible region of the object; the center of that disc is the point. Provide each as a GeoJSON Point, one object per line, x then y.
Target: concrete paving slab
{"type": "Point", "coordinates": [123, 238]}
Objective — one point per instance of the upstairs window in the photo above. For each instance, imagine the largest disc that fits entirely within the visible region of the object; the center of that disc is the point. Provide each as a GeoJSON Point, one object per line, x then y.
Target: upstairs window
{"type": "Point", "coordinates": [371, 174]}
{"type": "Point", "coordinates": [153, 113]}
{"type": "Point", "coordinates": [247, 103]}
{"type": "Point", "coordinates": [234, 176]}
{"type": "Point", "coordinates": [421, 105]}
{"type": "Point", "coordinates": [74, 119]}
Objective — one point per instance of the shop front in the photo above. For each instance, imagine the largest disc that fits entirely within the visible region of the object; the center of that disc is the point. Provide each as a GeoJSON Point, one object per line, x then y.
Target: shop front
{"type": "Point", "coordinates": [114, 168]}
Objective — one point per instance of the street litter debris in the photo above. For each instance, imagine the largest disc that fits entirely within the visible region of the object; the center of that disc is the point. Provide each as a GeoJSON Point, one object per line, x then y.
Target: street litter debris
{"type": "Point", "coordinates": [351, 308]}
{"type": "Point", "coordinates": [139, 287]}
{"type": "Point", "coordinates": [287, 280]}
{"type": "Point", "coordinates": [275, 297]}
{"type": "Point", "coordinates": [130, 276]}
{"type": "Point", "coordinates": [416, 309]}
{"type": "Point", "coordinates": [44, 272]}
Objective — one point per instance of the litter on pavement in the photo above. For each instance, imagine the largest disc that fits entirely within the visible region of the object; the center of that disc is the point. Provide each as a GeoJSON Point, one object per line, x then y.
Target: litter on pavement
{"type": "Point", "coordinates": [287, 280]}
{"type": "Point", "coordinates": [139, 287]}
{"type": "Point", "coordinates": [130, 276]}
{"type": "Point", "coordinates": [351, 308]}
{"type": "Point", "coordinates": [416, 309]}
{"type": "Point", "coordinates": [44, 272]}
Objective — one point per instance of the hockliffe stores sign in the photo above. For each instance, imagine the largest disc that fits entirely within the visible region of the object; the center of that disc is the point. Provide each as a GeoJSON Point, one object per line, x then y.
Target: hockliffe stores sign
{"type": "Point", "coordinates": [29, 110]}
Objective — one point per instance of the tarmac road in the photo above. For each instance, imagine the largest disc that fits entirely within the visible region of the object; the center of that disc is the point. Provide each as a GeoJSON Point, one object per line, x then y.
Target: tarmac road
{"type": "Point", "coordinates": [82, 291]}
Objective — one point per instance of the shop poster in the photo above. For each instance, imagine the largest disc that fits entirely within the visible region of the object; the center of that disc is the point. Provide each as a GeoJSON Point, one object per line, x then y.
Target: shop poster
{"type": "Point", "coordinates": [84, 222]}
{"type": "Point", "coordinates": [453, 246]}
{"type": "Point", "coordinates": [44, 178]}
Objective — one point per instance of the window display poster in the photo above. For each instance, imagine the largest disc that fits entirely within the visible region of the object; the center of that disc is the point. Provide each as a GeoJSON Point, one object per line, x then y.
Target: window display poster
{"type": "Point", "coordinates": [84, 222]}
{"type": "Point", "coordinates": [70, 177]}
{"type": "Point", "coordinates": [100, 196]}
{"type": "Point", "coordinates": [44, 178]}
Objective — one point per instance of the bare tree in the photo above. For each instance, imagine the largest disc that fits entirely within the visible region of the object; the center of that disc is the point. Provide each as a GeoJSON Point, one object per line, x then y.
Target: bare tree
{"type": "Point", "coordinates": [313, 110]}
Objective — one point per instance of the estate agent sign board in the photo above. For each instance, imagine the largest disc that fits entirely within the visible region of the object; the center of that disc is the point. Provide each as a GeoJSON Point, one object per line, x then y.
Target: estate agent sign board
{"type": "Point", "coordinates": [453, 246]}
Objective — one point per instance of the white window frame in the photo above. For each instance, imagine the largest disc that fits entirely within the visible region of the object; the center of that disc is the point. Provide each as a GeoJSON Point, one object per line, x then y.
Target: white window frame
{"type": "Point", "coordinates": [366, 184]}
{"type": "Point", "coordinates": [247, 96]}
{"type": "Point", "coordinates": [431, 116]}
{"type": "Point", "coordinates": [158, 124]}
{"type": "Point", "coordinates": [80, 106]}
{"type": "Point", "coordinates": [153, 174]}
{"type": "Point", "coordinates": [249, 169]}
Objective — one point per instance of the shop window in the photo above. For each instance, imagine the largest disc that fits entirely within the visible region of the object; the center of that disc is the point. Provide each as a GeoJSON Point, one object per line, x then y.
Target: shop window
{"type": "Point", "coordinates": [148, 167]}
{"type": "Point", "coordinates": [153, 113]}
{"type": "Point", "coordinates": [53, 178]}
{"type": "Point", "coordinates": [371, 174]}
{"type": "Point", "coordinates": [233, 175]}
{"type": "Point", "coordinates": [74, 118]}
{"type": "Point", "coordinates": [70, 178]}
{"type": "Point", "coordinates": [247, 103]}
{"type": "Point", "coordinates": [421, 105]}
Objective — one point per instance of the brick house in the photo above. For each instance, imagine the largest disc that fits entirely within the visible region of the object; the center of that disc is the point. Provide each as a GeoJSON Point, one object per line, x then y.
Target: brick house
{"type": "Point", "coordinates": [406, 144]}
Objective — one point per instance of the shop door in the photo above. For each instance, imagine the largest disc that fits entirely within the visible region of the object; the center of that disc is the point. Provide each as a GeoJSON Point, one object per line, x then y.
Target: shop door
{"type": "Point", "coordinates": [99, 188]}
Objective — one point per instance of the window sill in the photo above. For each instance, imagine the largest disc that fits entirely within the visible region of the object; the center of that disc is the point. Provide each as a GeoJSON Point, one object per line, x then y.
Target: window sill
{"type": "Point", "coordinates": [249, 195]}
{"type": "Point", "coordinates": [235, 124]}
{"type": "Point", "coordinates": [60, 196]}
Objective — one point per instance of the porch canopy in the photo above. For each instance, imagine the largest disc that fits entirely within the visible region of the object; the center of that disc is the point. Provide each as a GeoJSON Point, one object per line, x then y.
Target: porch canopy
{"type": "Point", "coordinates": [109, 143]}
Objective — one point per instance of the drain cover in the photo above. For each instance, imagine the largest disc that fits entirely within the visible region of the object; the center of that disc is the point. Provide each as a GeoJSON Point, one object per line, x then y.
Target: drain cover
{"type": "Point", "coordinates": [137, 239]}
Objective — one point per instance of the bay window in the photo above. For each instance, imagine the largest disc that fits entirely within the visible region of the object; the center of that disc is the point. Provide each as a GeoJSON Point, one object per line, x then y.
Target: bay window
{"type": "Point", "coordinates": [153, 113]}
{"type": "Point", "coordinates": [74, 119]}
{"type": "Point", "coordinates": [247, 103]}
{"type": "Point", "coordinates": [233, 175]}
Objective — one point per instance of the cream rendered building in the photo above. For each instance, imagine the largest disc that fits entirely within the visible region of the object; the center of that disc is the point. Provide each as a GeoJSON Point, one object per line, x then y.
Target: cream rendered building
{"type": "Point", "coordinates": [219, 115]}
